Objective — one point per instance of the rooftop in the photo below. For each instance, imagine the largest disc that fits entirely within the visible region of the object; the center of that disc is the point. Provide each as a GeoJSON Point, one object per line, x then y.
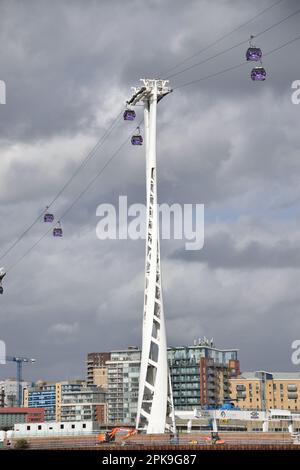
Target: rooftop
{"type": "Point", "coordinates": [275, 375]}
{"type": "Point", "coordinates": [18, 410]}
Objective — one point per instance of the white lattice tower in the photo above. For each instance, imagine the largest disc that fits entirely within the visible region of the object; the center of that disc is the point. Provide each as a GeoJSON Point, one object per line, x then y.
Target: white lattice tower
{"type": "Point", "coordinates": [155, 400]}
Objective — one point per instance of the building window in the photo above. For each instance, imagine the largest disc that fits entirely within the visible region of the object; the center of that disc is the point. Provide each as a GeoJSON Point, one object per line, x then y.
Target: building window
{"type": "Point", "coordinates": [62, 426]}
{"type": "Point", "coordinates": [39, 427]}
{"type": "Point", "coordinates": [73, 426]}
{"type": "Point", "coordinates": [84, 426]}
{"type": "Point", "coordinates": [28, 428]}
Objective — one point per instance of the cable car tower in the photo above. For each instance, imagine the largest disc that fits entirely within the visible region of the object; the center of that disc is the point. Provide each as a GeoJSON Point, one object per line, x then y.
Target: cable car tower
{"type": "Point", "coordinates": [155, 400]}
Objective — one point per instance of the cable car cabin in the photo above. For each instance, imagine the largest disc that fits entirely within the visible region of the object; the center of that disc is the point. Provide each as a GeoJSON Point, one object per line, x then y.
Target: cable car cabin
{"type": "Point", "coordinates": [48, 218]}
{"type": "Point", "coordinates": [254, 54]}
{"type": "Point", "coordinates": [258, 74]}
{"type": "Point", "coordinates": [129, 115]}
{"type": "Point", "coordinates": [57, 231]}
{"type": "Point", "coordinates": [137, 140]}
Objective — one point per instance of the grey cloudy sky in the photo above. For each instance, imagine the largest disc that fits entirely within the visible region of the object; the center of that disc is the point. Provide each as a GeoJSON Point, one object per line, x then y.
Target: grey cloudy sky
{"type": "Point", "coordinates": [226, 142]}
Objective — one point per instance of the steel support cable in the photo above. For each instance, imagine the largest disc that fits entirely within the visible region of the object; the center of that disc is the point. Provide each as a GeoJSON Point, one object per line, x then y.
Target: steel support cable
{"type": "Point", "coordinates": [87, 187]}
{"type": "Point", "coordinates": [179, 86]}
{"type": "Point", "coordinates": [225, 35]}
{"type": "Point", "coordinates": [297, 38]}
{"type": "Point", "coordinates": [107, 132]}
{"type": "Point", "coordinates": [235, 66]}
{"type": "Point", "coordinates": [89, 156]}
{"type": "Point", "coordinates": [234, 46]}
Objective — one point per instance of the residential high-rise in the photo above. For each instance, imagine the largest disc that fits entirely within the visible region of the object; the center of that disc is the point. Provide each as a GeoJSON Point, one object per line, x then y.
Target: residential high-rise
{"type": "Point", "coordinates": [100, 377]}
{"type": "Point", "coordinates": [48, 395]}
{"type": "Point", "coordinates": [123, 385]}
{"type": "Point", "coordinates": [42, 395]}
{"type": "Point", "coordinates": [96, 368]}
{"type": "Point", "coordinates": [200, 374]}
{"type": "Point", "coordinates": [87, 404]}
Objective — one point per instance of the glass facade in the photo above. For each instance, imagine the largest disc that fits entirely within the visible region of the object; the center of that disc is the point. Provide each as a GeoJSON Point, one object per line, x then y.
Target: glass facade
{"type": "Point", "coordinates": [47, 397]}
{"type": "Point", "coordinates": [44, 399]}
{"type": "Point", "coordinates": [194, 385]}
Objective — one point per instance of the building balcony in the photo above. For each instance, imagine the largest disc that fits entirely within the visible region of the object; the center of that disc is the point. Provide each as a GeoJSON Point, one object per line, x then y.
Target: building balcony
{"type": "Point", "coordinates": [211, 386]}
{"type": "Point", "coordinates": [292, 388]}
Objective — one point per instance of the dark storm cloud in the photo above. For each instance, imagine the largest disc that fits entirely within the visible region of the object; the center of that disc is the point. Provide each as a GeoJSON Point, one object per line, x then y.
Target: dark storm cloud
{"type": "Point", "coordinates": [221, 251]}
{"type": "Point", "coordinates": [226, 142]}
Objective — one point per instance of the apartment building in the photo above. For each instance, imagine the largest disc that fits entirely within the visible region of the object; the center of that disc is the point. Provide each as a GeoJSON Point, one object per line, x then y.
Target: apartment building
{"type": "Point", "coordinates": [262, 390]}
{"type": "Point", "coordinates": [9, 391]}
{"type": "Point", "coordinates": [200, 374]}
{"type": "Point", "coordinates": [123, 371]}
{"type": "Point", "coordinates": [87, 404]}
{"type": "Point", "coordinates": [48, 395]}
{"type": "Point", "coordinates": [96, 369]}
